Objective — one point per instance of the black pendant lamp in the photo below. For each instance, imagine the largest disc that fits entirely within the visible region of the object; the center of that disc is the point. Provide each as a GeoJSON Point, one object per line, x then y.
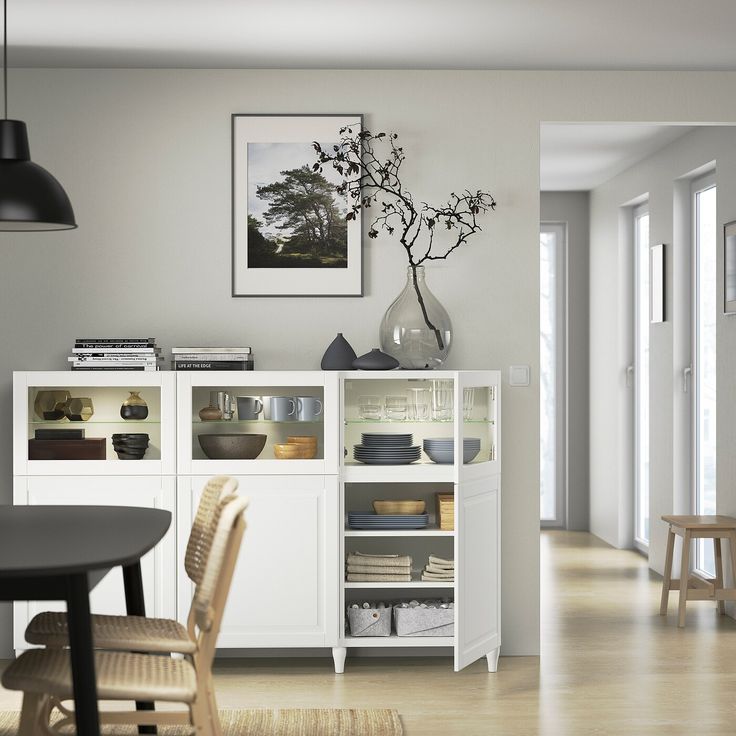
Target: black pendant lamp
{"type": "Point", "coordinates": [30, 198]}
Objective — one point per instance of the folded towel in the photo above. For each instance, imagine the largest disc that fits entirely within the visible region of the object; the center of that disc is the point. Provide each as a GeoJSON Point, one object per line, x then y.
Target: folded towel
{"type": "Point", "coordinates": [358, 558]}
{"type": "Point", "coordinates": [437, 568]}
{"type": "Point", "coordinates": [380, 570]}
{"type": "Point", "coordinates": [439, 561]}
{"type": "Point", "coordinates": [435, 576]}
{"type": "Point", "coordinates": [368, 578]}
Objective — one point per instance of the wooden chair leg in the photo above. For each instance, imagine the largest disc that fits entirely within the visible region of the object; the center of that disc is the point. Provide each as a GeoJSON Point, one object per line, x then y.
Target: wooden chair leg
{"type": "Point", "coordinates": [684, 577]}
{"type": "Point", "coordinates": [720, 605]}
{"type": "Point", "coordinates": [34, 706]}
{"type": "Point", "coordinates": [199, 710]}
{"type": "Point", "coordinates": [667, 572]}
{"type": "Point", "coordinates": [732, 547]}
{"type": "Point", "coordinates": [213, 710]}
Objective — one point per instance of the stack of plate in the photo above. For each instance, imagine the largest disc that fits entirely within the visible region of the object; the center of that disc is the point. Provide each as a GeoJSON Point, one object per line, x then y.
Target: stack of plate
{"type": "Point", "coordinates": [442, 449]}
{"type": "Point", "coordinates": [381, 448]}
{"type": "Point", "coordinates": [369, 520]}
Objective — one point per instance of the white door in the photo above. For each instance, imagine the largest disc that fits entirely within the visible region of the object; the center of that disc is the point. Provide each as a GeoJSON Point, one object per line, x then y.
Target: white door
{"type": "Point", "coordinates": [158, 567]}
{"type": "Point", "coordinates": [477, 570]}
{"type": "Point", "coordinates": [642, 282]}
{"type": "Point", "coordinates": [285, 588]}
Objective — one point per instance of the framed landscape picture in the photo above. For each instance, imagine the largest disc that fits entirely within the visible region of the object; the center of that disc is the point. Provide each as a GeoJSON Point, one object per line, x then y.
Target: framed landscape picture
{"type": "Point", "coordinates": [289, 227]}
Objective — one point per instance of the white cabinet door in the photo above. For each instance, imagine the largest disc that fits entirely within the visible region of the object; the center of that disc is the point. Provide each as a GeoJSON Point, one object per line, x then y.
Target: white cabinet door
{"type": "Point", "coordinates": [285, 589]}
{"type": "Point", "coordinates": [477, 569]}
{"type": "Point", "coordinates": [158, 567]}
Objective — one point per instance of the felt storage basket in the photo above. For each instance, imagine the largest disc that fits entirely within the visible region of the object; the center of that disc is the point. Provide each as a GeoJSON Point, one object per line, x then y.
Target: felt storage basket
{"type": "Point", "coordinates": [370, 621]}
{"type": "Point", "coordinates": [424, 621]}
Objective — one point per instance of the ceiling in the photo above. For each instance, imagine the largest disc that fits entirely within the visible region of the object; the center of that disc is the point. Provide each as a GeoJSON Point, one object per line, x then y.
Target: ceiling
{"type": "Point", "coordinates": [579, 157]}
{"type": "Point", "coordinates": [380, 34]}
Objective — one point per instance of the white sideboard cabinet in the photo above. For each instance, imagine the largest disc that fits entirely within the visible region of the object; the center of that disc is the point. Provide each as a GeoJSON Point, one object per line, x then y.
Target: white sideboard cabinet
{"type": "Point", "coordinates": [290, 589]}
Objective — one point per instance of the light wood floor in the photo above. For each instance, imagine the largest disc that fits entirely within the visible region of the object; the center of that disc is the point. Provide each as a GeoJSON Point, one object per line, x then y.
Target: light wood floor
{"type": "Point", "coordinates": [610, 665]}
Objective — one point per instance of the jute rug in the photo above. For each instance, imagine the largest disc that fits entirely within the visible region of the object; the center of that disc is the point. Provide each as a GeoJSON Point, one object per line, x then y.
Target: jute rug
{"type": "Point", "coordinates": [279, 722]}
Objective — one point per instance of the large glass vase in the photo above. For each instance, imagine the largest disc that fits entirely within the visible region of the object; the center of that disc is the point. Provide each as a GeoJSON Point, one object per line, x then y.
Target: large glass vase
{"type": "Point", "coordinates": [416, 329]}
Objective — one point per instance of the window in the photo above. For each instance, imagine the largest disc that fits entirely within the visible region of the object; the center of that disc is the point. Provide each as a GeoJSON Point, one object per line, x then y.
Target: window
{"type": "Point", "coordinates": [704, 363]}
{"type": "Point", "coordinates": [552, 245]}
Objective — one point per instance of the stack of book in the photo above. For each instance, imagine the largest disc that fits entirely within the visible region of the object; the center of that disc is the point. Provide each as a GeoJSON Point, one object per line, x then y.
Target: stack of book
{"type": "Point", "coordinates": [212, 359]}
{"type": "Point", "coordinates": [115, 354]}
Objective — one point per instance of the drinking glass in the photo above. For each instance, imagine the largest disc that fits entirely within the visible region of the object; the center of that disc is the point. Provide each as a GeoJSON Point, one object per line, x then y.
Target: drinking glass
{"type": "Point", "coordinates": [468, 401]}
{"type": "Point", "coordinates": [419, 403]}
{"type": "Point", "coordinates": [396, 408]}
{"type": "Point", "coordinates": [442, 400]}
{"type": "Point", "coordinates": [369, 407]}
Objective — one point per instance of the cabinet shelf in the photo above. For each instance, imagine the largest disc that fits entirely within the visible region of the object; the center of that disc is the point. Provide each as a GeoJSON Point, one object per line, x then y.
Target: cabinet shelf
{"type": "Point", "coordinates": [290, 423]}
{"type": "Point", "coordinates": [398, 533]}
{"type": "Point", "coordinates": [440, 422]}
{"type": "Point", "coordinates": [412, 584]}
{"type": "Point", "coordinates": [61, 424]}
{"type": "Point", "coordinates": [397, 641]}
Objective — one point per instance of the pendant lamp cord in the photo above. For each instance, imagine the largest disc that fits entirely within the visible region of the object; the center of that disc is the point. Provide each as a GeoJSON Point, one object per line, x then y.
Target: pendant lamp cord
{"type": "Point", "coordinates": [5, 59]}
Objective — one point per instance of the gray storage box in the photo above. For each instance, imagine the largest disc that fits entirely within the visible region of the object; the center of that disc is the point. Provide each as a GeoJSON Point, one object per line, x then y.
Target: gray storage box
{"type": "Point", "coordinates": [424, 621]}
{"type": "Point", "coordinates": [370, 621]}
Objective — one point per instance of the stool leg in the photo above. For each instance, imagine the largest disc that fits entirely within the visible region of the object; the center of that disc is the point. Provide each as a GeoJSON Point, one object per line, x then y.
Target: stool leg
{"type": "Point", "coordinates": [721, 605]}
{"type": "Point", "coordinates": [732, 546]}
{"type": "Point", "coordinates": [684, 575]}
{"type": "Point", "coordinates": [667, 572]}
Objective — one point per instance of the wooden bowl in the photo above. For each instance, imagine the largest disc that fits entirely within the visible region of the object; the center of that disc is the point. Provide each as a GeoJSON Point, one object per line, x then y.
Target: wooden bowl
{"type": "Point", "coordinates": [302, 440]}
{"type": "Point", "coordinates": [287, 451]}
{"type": "Point", "coordinates": [399, 507]}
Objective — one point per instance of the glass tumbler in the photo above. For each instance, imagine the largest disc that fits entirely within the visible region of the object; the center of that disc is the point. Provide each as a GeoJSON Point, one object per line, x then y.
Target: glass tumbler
{"type": "Point", "coordinates": [419, 403]}
{"type": "Point", "coordinates": [396, 408]}
{"type": "Point", "coordinates": [369, 407]}
{"type": "Point", "coordinates": [468, 402]}
{"type": "Point", "coordinates": [442, 400]}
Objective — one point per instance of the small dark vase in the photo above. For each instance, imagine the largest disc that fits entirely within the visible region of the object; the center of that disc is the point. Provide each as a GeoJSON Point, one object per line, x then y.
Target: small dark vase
{"type": "Point", "coordinates": [134, 407]}
{"type": "Point", "coordinates": [339, 355]}
{"type": "Point", "coordinates": [375, 361]}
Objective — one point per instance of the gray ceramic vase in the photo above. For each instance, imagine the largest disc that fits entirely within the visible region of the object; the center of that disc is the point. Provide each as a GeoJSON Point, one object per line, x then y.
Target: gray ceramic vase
{"type": "Point", "coordinates": [375, 361]}
{"type": "Point", "coordinates": [339, 355]}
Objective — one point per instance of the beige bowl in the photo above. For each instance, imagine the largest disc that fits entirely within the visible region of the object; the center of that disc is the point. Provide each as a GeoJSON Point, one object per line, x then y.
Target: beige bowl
{"type": "Point", "coordinates": [399, 507]}
{"type": "Point", "coordinates": [287, 452]}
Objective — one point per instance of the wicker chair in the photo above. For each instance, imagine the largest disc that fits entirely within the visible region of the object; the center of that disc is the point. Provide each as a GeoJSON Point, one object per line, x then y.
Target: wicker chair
{"type": "Point", "coordinates": [44, 675]}
{"type": "Point", "coordinates": [136, 633]}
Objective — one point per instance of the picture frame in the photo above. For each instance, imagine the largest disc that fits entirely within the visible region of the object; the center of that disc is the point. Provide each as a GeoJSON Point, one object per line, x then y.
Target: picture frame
{"type": "Point", "coordinates": [729, 267]}
{"type": "Point", "coordinates": [290, 236]}
{"type": "Point", "coordinates": [657, 295]}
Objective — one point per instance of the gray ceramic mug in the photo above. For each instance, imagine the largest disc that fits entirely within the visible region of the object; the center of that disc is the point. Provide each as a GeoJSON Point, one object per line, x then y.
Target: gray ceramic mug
{"type": "Point", "coordinates": [283, 409]}
{"type": "Point", "coordinates": [308, 408]}
{"type": "Point", "coordinates": [249, 407]}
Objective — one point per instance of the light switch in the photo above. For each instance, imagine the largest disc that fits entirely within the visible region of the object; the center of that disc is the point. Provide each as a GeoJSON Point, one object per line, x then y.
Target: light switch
{"type": "Point", "coordinates": [519, 375]}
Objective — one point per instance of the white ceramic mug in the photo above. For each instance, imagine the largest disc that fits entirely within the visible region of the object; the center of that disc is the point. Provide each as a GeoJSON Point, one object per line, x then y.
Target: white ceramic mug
{"type": "Point", "coordinates": [283, 409]}
{"type": "Point", "coordinates": [308, 408]}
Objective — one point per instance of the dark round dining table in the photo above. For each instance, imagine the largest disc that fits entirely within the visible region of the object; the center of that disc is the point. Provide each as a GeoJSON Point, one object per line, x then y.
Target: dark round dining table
{"type": "Point", "coordinates": [61, 553]}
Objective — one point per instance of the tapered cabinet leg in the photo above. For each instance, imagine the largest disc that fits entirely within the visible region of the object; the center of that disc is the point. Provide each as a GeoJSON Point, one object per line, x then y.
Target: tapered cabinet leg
{"type": "Point", "coordinates": [492, 658]}
{"type": "Point", "coordinates": [667, 572]}
{"type": "Point", "coordinates": [684, 576]}
{"type": "Point", "coordinates": [338, 655]}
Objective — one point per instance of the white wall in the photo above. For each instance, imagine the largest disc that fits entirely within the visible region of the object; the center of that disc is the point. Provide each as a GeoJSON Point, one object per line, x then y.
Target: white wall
{"type": "Point", "coordinates": [572, 208]}
{"type": "Point", "coordinates": [145, 156]}
{"type": "Point", "coordinates": [660, 176]}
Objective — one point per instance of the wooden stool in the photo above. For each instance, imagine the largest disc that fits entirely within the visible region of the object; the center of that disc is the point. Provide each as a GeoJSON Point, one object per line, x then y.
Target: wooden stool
{"type": "Point", "coordinates": [691, 587]}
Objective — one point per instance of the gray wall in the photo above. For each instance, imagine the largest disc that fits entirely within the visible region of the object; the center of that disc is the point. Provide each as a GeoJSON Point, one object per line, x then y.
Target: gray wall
{"type": "Point", "coordinates": [572, 208]}
{"type": "Point", "coordinates": [145, 156]}
{"type": "Point", "coordinates": [664, 178]}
